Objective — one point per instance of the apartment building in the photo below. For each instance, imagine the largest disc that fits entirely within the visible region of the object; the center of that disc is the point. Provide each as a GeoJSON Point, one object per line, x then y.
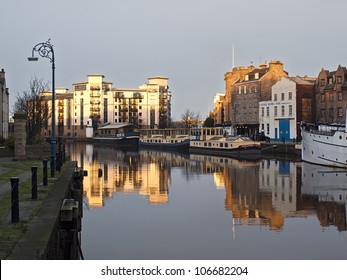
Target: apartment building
{"type": "Point", "coordinates": [291, 102]}
{"type": "Point", "coordinates": [96, 102]}
{"type": "Point", "coordinates": [4, 106]}
{"type": "Point", "coordinates": [331, 96]}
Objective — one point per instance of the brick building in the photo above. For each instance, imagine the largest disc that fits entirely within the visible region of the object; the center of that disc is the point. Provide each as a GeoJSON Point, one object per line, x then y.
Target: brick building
{"type": "Point", "coordinates": [245, 88]}
{"type": "Point", "coordinates": [331, 96]}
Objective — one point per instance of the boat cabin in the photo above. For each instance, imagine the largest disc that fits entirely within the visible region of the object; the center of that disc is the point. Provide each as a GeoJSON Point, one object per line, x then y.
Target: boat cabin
{"type": "Point", "coordinates": [117, 130]}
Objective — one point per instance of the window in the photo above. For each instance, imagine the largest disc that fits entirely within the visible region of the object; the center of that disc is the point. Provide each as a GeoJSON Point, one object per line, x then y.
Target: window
{"type": "Point", "coordinates": [322, 113]}
{"type": "Point", "coordinates": [331, 112]}
{"type": "Point", "coordinates": [331, 80]}
{"type": "Point", "coordinates": [275, 97]}
{"type": "Point", "coordinates": [282, 96]}
{"type": "Point", "coordinates": [290, 110]}
{"type": "Point", "coordinates": [267, 129]}
{"type": "Point", "coordinates": [290, 95]}
{"type": "Point", "coordinates": [262, 127]}
{"type": "Point", "coordinates": [267, 111]}
{"type": "Point", "coordinates": [340, 112]}
{"type": "Point", "coordinates": [339, 79]}
{"type": "Point", "coordinates": [282, 111]}
{"type": "Point", "coordinates": [322, 99]}
{"type": "Point", "coordinates": [340, 96]}
{"type": "Point", "coordinates": [262, 111]}
{"type": "Point", "coordinates": [322, 82]}
{"type": "Point", "coordinates": [331, 96]}
{"type": "Point", "coordinates": [275, 111]}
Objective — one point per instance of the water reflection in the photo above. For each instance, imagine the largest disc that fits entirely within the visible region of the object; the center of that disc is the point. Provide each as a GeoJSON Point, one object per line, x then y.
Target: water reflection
{"type": "Point", "coordinates": [260, 193]}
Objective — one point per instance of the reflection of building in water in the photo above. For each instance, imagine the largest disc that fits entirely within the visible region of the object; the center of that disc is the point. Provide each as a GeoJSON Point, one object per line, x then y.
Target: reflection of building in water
{"type": "Point", "coordinates": [278, 178]}
{"type": "Point", "coordinates": [147, 173]}
{"type": "Point", "coordinates": [257, 193]}
{"type": "Point", "coordinates": [324, 190]}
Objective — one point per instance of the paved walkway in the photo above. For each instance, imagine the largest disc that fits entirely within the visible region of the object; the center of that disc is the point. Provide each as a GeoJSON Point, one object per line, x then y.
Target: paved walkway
{"type": "Point", "coordinates": [11, 233]}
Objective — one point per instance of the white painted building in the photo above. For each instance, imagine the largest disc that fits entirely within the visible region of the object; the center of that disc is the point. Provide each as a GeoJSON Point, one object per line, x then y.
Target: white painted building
{"type": "Point", "coordinates": [277, 117]}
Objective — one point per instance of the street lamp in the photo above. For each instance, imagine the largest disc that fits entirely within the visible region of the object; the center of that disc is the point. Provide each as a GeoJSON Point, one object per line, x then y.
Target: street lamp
{"type": "Point", "coordinates": [46, 50]}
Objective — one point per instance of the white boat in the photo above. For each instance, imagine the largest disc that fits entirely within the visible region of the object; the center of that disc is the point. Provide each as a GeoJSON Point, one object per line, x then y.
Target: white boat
{"type": "Point", "coordinates": [169, 139]}
{"type": "Point", "coordinates": [324, 144]}
{"type": "Point", "coordinates": [324, 189]}
{"type": "Point", "coordinates": [213, 141]}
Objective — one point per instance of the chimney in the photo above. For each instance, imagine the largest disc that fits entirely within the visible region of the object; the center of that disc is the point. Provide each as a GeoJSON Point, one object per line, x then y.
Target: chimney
{"type": "Point", "coordinates": [276, 65]}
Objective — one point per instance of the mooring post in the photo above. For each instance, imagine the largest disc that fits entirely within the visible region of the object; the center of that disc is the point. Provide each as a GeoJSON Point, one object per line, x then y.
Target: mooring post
{"type": "Point", "coordinates": [14, 200]}
{"type": "Point", "coordinates": [45, 180]}
{"type": "Point", "coordinates": [34, 182]}
{"type": "Point", "coordinates": [52, 167]}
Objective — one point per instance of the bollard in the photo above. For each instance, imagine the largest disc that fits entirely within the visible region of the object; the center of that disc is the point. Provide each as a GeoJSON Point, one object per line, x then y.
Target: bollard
{"type": "Point", "coordinates": [64, 155]}
{"type": "Point", "coordinates": [58, 166]}
{"type": "Point", "coordinates": [45, 180]}
{"type": "Point", "coordinates": [34, 182]}
{"type": "Point", "coordinates": [52, 167]}
{"type": "Point", "coordinates": [14, 200]}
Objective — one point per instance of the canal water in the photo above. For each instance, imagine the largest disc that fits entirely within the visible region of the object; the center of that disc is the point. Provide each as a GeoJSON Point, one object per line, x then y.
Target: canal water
{"type": "Point", "coordinates": [155, 205]}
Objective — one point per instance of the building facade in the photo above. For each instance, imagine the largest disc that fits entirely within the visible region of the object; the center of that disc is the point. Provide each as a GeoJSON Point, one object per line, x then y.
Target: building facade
{"type": "Point", "coordinates": [245, 88]}
{"type": "Point", "coordinates": [4, 106]}
{"type": "Point", "coordinates": [291, 102]}
{"type": "Point", "coordinates": [96, 102]}
{"type": "Point", "coordinates": [218, 109]}
{"type": "Point", "coordinates": [331, 96]}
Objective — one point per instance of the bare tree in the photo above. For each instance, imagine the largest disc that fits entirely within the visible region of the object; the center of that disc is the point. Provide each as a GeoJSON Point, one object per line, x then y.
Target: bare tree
{"type": "Point", "coordinates": [32, 103]}
{"type": "Point", "coordinates": [190, 118]}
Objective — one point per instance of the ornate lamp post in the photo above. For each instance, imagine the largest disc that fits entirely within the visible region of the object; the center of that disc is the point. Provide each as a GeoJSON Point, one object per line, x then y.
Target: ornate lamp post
{"type": "Point", "coordinates": [46, 50]}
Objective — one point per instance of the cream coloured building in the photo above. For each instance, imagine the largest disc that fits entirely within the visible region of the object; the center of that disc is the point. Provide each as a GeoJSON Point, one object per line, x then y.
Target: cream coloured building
{"type": "Point", "coordinates": [96, 102]}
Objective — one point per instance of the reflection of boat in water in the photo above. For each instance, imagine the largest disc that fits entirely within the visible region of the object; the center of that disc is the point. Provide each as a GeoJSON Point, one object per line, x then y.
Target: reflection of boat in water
{"type": "Point", "coordinates": [120, 135]}
{"type": "Point", "coordinates": [165, 139]}
{"type": "Point", "coordinates": [328, 183]}
{"type": "Point", "coordinates": [212, 141]}
{"type": "Point", "coordinates": [326, 188]}
{"type": "Point", "coordinates": [324, 144]}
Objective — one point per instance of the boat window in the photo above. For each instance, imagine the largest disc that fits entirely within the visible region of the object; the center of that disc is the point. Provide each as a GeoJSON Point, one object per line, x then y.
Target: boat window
{"type": "Point", "coordinates": [226, 145]}
{"type": "Point", "coordinates": [209, 144]}
{"type": "Point", "coordinates": [221, 145]}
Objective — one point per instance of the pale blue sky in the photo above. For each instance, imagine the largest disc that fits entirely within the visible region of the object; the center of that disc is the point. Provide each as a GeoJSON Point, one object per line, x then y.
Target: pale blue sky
{"type": "Point", "coordinates": [189, 41]}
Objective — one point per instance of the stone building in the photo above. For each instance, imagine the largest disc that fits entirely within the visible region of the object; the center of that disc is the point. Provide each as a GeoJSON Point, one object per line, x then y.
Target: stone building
{"type": "Point", "coordinates": [96, 102]}
{"type": "Point", "coordinates": [291, 102]}
{"type": "Point", "coordinates": [218, 109]}
{"type": "Point", "coordinates": [245, 88]}
{"type": "Point", "coordinates": [4, 106]}
{"type": "Point", "coordinates": [331, 96]}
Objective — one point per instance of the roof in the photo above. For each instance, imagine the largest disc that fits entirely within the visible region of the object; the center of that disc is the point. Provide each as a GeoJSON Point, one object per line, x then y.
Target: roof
{"type": "Point", "coordinates": [303, 80]}
{"type": "Point", "coordinates": [117, 125]}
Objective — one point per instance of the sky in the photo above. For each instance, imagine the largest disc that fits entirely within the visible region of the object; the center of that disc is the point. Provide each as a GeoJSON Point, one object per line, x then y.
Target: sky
{"type": "Point", "coordinates": [188, 41]}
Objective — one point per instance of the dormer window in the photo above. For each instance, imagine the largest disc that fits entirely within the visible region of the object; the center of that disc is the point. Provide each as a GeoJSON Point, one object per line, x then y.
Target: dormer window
{"type": "Point", "coordinates": [331, 80]}
{"type": "Point", "coordinates": [256, 76]}
{"type": "Point", "coordinates": [246, 77]}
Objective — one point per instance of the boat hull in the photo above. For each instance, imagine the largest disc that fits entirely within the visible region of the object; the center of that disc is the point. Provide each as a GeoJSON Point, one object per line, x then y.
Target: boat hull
{"type": "Point", "coordinates": [182, 146]}
{"type": "Point", "coordinates": [242, 151]}
{"type": "Point", "coordinates": [122, 143]}
{"type": "Point", "coordinates": [328, 149]}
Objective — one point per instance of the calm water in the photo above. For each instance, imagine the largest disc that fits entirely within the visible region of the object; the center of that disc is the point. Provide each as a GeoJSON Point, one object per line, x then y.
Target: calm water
{"type": "Point", "coordinates": [154, 205]}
